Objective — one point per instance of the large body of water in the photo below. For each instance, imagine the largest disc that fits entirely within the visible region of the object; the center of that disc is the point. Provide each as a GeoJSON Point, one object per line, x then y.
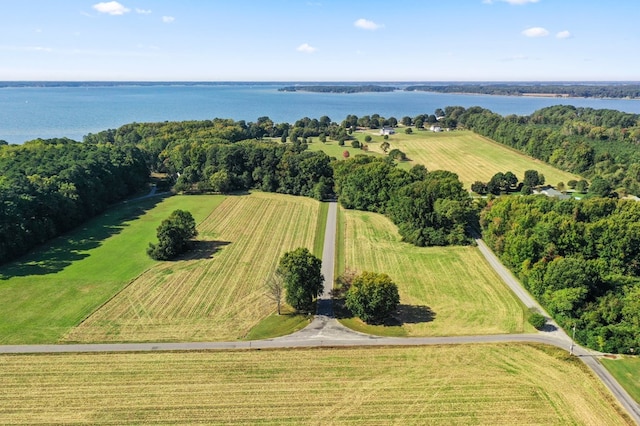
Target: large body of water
{"type": "Point", "coordinates": [28, 113]}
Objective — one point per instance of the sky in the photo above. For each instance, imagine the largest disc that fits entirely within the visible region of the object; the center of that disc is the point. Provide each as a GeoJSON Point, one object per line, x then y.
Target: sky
{"type": "Point", "coordinates": [320, 40]}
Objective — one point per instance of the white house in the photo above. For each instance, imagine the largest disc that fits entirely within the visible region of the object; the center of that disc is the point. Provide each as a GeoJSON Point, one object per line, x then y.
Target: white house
{"type": "Point", "coordinates": [435, 128]}
{"type": "Point", "coordinates": [387, 131]}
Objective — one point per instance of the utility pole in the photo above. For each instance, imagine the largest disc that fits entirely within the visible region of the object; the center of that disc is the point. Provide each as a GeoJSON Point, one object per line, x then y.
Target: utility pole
{"type": "Point", "coordinates": [573, 337]}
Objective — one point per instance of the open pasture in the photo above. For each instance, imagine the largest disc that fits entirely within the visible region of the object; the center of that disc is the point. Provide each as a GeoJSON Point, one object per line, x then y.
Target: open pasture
{"type": "Point", "coordinates": [626, 370]}
{"type": "Point", "coordinates": [444, 291]}
{"type": "Point", "coordinates": [217, 291]}
{"type": "Point", "coordinates": [471, 156]}
{"type": "Point", "coordinates": [51, 290]}
{"type": "Point", "coordinates": [463, 384]}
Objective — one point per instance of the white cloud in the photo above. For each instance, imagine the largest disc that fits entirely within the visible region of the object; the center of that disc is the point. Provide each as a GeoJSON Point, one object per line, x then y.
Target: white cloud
{"type": "Point", "coordinates": [306, 48]}
{"type": "Point", "coordinates": [536, 32]}
{"type": "Point", "coordinates": [365, 24]}
{"type": "Point", "coordinates": [143, 11]}
{"type": "Point", "coordinates": [564, 34]}
{"type": "Point", "coordinates": [111, 8]}
{"type": "Point", "coordinates": [168, 19]}
{"type": "Point", "coordinates": [26, 49]}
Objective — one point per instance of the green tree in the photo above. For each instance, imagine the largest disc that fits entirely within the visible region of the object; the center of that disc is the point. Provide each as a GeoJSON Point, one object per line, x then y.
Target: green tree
{"type": "Point", "coordinates": [372, 297]}
{"type": "Point", "coordinates": [302, 278]}
{"type": "Point", "coordinates": [221, 182]}
{"type": "Point", "coordinates": [385, 146]}
{"type": "Point", "coordinates": [408, 130]}
{"type": "Point", "coordinates": [174, 234]}
{"type": "Point", "coordinates": [367, 138]}
{"type": "Point", "coordinates": [600, 187]}
{"type": "Point", "coordinates": [582, 186]}
{"type": "Point", "coordinates": [479, 187]}
{"type": "Point", "coordinates": [532, 178]}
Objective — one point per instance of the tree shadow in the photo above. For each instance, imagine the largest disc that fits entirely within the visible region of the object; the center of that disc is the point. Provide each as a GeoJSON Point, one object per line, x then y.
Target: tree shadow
{"type": "Point", "coordinates": [405, 314]}
{"type": "Point", "coordinates": [414, 314]}
{"type": "Point", "coordinates": [201, 250]}
{"type": "Point", "coordinates": [55, 255]}
{"type": "Point", "coordinates": [549, 328]}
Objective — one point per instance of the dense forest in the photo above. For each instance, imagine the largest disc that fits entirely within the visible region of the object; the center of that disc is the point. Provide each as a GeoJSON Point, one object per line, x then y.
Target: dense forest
{"type": "Point", "coordinates": [620, 90]}
{"type": "Point", "coordinates": [48, 187]}
{"type": "Point", "coordinates": [579, 258]}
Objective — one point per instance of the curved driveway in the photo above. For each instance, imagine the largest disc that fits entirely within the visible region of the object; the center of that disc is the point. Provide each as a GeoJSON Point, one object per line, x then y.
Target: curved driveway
{"type": "Point", "coordinates": [326, 331]}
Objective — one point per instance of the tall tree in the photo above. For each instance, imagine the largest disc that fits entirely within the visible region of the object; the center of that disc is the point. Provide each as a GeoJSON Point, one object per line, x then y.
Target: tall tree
{"type": "Point", "coordinates": [303, 278]}
{"type": "Point", "coordinates": [372, 297]}
{"type": "Point", "coordinates": [174, 234]}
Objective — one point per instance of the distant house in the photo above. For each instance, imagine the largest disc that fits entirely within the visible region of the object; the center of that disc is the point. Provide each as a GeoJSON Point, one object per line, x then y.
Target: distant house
{"type": "Point", "coordinates": [551, 192]}
{"type": "Point", "coordinates": [387, 131]}
{"type": "Point", "coordinates": [435, 128]}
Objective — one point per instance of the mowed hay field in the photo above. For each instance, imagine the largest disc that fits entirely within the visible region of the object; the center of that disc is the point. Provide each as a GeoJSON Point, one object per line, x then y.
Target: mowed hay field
{"type": "Point", "coordinates": [471, 156]}
{"type": "Point", "coordinates": [463, 384]}
{"type": "Point", "coordinates": [217, 292]}
{"type": "Point", "coordinates": [51, 290]}
{"type": "Point", "coordinates": [462, 292]}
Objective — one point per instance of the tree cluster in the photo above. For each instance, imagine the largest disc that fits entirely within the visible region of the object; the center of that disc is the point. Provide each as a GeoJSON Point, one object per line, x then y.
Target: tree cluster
{"type": "Point", "coordinates": [48, 187]}
{"type": "Point", "coordinates": [174, 235]}
{"type": "Point", "coordinates": [303, 280]}
{"type": "Point", "coordinates": [579, 258]}
{"type": "Point", "coordinates": [429, 208]}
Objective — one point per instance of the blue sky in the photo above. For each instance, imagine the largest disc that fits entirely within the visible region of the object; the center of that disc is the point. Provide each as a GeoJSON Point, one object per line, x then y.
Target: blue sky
{"type": "Point", "coordinates": [320, 40]}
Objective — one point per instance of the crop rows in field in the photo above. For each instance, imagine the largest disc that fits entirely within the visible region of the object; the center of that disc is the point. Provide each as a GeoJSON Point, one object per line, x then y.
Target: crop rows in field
{"type": "Point", "coordinates": [470, 384]}
{"type": "Point", "coordinates": [471, 156]}
{"type": "Point", "coordinates": [455, 283]}
{"type": "Point", "coordinates": [217, 293]}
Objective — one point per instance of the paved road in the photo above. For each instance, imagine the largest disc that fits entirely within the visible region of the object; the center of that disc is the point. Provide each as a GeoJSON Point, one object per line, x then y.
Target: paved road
{"type": "Point", "coordinates": [326, 331]}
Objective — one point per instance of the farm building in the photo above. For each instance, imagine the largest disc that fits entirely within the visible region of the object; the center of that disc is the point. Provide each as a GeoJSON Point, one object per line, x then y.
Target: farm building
{"type": "Point", "coordinates": [387, 131]}
{"type": "Point", "coordinates": [551, 192]}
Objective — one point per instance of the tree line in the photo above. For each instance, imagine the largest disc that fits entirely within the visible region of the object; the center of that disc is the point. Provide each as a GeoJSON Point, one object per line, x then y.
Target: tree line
{"type": "Point", "coordinates": [512, 89]}
{"type": "Point", "coordinates": [579, 258]}
{"type": "Point", "coordinates": [593, 143]}
{"type": "Point", "coordinates": [48, 187]}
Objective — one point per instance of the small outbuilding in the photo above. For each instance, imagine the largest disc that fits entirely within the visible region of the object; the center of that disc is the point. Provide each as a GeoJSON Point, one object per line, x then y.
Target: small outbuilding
{"type": "Point", "coordinates": [387, 131]}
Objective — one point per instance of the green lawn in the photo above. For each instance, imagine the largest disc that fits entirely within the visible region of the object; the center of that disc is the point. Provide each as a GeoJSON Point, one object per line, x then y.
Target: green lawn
{"type": "Point", "coordinates": [55, 287]}
{"type": "Point", "coordinates": [626, 370]}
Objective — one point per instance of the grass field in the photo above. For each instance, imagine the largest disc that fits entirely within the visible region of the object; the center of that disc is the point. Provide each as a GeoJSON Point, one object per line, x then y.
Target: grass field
{"type": "Point", "coordinates": [626, 370]}
{"type": "Point", "coordinates": [217, 293]}
{"type": "Point", "coordinates": [444, 291]}
{"type": "Point", "coordinates": [332, 149]}
{"type": "Point", "coordinates": [52, 289]}
{"type": "Point", "coordinates": [471, 156]}
{"type": "Point", "coordinates": [466, 384]}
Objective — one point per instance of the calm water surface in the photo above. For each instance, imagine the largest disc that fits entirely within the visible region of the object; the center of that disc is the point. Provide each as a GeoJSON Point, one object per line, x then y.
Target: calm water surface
{"type": "Point", "coordinates": [28, 113]}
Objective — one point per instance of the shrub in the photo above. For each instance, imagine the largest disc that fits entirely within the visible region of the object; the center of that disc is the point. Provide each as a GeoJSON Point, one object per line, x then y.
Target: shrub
{"type": "Point", "coordinates": [537, 320]}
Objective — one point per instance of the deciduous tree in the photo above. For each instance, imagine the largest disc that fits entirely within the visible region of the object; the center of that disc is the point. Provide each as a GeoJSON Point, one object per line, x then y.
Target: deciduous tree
{"type": "Point", "coordinates": [303, 280]}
